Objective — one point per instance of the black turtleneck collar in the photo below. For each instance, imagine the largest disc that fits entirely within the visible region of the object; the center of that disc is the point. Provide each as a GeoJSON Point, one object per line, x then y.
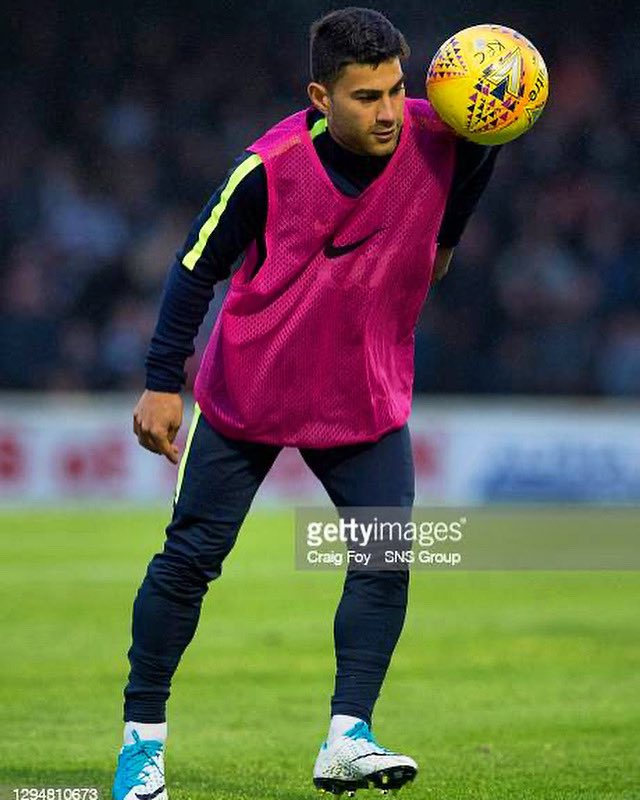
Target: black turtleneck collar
{"type": "Point", "coordinates": [352, 173]}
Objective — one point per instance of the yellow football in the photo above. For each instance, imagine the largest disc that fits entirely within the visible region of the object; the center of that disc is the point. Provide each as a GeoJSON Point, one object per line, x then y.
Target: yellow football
{"type": "Point", "coordinates": [488, 83]}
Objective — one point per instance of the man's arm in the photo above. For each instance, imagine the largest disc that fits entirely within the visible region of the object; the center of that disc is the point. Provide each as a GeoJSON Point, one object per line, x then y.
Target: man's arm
{"type": "Point", "coordinates": [234, 216]}
{"type": "Point", "coordinates": [473, 168]}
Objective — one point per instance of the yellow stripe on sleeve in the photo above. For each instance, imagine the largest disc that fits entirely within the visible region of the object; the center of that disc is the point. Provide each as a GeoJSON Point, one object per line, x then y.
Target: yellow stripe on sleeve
{"type": "Point", "coordinates": [187, 447]}
{"type": "Point", "coordinates": [240, 172]}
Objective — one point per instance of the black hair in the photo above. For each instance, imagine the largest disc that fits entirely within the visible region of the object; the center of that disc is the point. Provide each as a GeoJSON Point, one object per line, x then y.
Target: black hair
{"type": "Point", "coordinates": [352, 36]}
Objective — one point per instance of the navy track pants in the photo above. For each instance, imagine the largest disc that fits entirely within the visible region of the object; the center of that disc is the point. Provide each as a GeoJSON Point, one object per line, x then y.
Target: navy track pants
{"type": "Point", "coordinates": [220, 478]}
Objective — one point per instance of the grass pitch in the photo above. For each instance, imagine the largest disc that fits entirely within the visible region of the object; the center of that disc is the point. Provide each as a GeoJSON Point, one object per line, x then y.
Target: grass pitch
{"type": "Point", "coordinates": [504, 685]}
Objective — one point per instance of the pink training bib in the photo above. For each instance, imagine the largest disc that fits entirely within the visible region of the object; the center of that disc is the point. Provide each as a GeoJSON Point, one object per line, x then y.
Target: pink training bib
{"type": "Point", "coordinates": [316, 350]}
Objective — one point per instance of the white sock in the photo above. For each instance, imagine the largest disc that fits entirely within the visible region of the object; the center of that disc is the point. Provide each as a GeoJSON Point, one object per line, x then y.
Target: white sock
{"type": "Point", "coordinates": [145, 730]}
{"type": "Point", "coordinates": [340, 724]}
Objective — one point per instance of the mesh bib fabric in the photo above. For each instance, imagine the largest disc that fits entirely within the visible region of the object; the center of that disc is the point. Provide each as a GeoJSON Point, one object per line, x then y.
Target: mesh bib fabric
{"type": "Point", "coordinates": [316, 350]}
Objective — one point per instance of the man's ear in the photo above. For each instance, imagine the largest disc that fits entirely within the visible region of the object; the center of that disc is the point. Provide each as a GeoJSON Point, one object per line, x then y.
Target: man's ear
{"type": "Point", "coordinates": [319, 96]}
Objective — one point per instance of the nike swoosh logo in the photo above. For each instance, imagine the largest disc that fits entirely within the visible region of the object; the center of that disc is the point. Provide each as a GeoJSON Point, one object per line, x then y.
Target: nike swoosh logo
{"type": "Point", "coordinates": [335, 251]}
{"type": "Point", "coordinates": [372, 753]}
{"type": "Point", "coordinates": [151, 794]}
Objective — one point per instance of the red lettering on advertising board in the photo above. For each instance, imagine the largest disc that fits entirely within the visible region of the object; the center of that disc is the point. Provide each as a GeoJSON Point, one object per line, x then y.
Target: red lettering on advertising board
{"type": "Point", "coordinates": [427, 456]}
{"type": "Point", "coordinates": [94, 464]}
{"type": "Point", "coordinates": [12, 458]}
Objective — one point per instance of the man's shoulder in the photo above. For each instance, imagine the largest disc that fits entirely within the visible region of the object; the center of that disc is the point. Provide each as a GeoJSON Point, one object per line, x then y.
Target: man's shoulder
{"type": "Point", "coordinates": [247, 172]}
{"type": "Point", "coordinates": [424, 119]}
{"type": "Point", "coordinates": [282, 135]}
{"type": "Point", "coordinates": [417, 105]}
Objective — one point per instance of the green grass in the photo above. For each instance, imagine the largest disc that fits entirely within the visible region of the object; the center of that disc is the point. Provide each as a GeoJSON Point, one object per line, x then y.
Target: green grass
{"type": "Point", "coordinates": [504, 685]}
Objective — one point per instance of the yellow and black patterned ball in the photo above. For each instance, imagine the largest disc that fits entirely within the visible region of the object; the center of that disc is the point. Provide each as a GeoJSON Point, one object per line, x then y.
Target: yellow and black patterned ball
{"type": "Point", "coordinates": [489, 83]}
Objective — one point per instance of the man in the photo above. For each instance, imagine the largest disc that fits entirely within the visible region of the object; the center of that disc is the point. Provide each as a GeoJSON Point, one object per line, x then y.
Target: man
{"type": "Point", "coordinates": [346, 212]}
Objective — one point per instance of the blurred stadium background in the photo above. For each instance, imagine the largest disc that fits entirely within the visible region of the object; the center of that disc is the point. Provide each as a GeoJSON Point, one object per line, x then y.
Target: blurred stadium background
{"type": "Point", "coordinates": [118, 121]}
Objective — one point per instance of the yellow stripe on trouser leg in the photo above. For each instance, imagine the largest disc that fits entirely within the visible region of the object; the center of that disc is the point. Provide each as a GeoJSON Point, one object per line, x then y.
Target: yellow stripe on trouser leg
{"type": "Point", "coordinates": [185, 455]}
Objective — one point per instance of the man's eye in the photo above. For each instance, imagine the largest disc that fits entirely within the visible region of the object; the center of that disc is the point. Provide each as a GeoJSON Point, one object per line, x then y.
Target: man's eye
{"type": "Point", "coordinates": [398, 89]}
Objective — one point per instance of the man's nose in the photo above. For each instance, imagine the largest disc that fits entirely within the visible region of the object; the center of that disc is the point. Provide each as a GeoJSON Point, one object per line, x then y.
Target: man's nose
{"type": "Point", "coordinates": [385, 110]}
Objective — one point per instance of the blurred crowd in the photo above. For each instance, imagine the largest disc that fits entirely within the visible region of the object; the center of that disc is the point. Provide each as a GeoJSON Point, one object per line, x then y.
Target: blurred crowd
{"type": "Point", "coordinates": [119, 123]}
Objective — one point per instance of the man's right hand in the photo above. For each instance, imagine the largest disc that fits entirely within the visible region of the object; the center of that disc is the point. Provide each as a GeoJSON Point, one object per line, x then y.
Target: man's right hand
{"type": "Point", "coordinates": [156, 421]}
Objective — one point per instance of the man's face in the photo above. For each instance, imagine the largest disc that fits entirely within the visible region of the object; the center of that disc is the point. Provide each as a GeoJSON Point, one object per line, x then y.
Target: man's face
{"type": "Point", "coordinates": [364, 107]}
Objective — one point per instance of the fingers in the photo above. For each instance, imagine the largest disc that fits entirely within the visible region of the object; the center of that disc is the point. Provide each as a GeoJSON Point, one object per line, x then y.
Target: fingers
{"type": "Point", "coordinates": [156, 440]}
{"type": "Point", "coordinates": [156, 421]}
{"type": "Point", "coordinates": [169, 450]}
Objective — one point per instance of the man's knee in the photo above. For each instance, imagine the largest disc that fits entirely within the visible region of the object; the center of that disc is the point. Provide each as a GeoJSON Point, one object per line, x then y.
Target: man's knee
{"type": "Point", "coordinates": [187, 564]}
{"type": "Point", "coordinates": [179, 577]}
{"type": "Point", "coordinates": [386, 587]}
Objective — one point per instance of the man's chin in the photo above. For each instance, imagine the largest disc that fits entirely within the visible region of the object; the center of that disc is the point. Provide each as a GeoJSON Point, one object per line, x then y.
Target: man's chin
{"type": "Point", "coordinates": [380, 147]}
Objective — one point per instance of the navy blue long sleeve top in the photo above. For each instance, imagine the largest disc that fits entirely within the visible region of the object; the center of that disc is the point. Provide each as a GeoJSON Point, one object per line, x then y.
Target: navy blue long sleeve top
{"type": "Point", "coordinates": [235, 216]}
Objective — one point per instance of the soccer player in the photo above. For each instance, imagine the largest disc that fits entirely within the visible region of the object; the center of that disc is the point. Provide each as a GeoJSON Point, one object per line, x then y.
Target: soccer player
{"type": "Point", "coordinates": [345, 212]}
